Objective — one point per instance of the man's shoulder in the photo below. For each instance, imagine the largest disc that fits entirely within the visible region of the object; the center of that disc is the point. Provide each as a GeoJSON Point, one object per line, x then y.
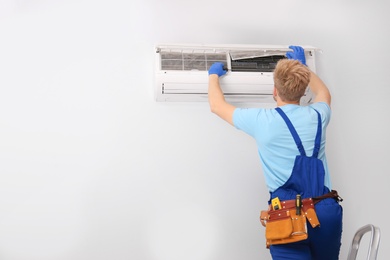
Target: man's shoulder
{"type": "Point", "coordinates": [322, 106]}
{"type": "Point", "coordinates": [324, 109]}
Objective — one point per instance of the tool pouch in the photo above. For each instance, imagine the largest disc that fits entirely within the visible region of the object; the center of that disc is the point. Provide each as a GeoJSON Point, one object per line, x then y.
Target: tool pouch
{"type": "Point", "coordinates": [283, 226]}
{"type": "Point", "coordinates": [311, 216]}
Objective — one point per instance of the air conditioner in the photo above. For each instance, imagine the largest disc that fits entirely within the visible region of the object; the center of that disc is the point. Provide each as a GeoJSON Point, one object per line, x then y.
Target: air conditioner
{"type": "Point", "coordinates": [182, 71]}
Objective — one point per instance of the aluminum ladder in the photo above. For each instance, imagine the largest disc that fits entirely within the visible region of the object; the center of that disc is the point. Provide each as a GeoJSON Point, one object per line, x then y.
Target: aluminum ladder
{"type": "Point", "coordinates": [374, 242]}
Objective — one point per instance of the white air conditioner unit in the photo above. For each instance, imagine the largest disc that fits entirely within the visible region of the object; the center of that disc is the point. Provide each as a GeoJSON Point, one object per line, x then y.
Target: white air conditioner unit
{"type": "Point", "coordinates": [182, 71]}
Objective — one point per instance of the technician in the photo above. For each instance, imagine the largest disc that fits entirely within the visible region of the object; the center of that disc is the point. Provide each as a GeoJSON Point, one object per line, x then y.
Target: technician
{"type": "Point", "coordinates": [278, 148]}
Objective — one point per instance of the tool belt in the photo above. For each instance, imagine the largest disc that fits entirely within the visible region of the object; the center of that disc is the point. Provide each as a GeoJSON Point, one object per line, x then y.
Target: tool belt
{"type": "Point", "coordinates": [287, 225]}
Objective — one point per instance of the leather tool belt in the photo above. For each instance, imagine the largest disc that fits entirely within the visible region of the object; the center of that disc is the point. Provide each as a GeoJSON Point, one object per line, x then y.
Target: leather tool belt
{"type": "Point", "coordinates": [285, 225]}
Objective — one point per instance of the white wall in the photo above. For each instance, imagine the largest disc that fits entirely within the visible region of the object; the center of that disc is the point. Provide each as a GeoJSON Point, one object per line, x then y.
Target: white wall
{"type": "Point", "coordinates": [92, 168]}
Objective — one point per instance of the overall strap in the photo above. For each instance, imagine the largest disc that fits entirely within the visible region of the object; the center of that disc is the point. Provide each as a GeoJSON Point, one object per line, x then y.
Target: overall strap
{"type": "Point", "coordinates": [298, 142]}
{"type": "Point", "coordinates": [317, 143]}
{"type": "Point", "coordinates": [294, 133]}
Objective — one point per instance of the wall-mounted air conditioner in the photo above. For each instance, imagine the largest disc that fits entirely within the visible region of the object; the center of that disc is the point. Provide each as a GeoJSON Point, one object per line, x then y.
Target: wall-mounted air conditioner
{"type": "Point", "coordinates": [182, 71]}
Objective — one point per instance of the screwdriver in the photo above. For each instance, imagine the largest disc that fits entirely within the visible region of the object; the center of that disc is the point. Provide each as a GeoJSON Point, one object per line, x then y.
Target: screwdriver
{"type": "Point", "coordinates": [298, 204]}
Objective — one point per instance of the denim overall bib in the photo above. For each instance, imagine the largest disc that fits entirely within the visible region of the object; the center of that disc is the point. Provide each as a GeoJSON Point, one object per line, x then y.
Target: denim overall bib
{"type": "Point", "coordinates": [307, 179]}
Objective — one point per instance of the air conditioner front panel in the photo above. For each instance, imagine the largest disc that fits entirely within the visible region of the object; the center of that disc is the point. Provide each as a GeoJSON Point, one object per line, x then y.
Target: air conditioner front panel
{"type": "Point", "coordinates": [189, 88]}
{"type": "Point", "coordinates": [234, 83]}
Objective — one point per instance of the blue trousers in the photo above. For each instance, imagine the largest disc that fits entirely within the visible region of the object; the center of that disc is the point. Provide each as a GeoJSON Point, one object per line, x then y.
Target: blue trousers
{"type": "Point", "coordinates": [323, 242]}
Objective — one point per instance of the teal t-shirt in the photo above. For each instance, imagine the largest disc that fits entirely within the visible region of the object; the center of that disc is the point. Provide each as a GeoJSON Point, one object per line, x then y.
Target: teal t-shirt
{"type": "Point", "coordinates": [276, 146]}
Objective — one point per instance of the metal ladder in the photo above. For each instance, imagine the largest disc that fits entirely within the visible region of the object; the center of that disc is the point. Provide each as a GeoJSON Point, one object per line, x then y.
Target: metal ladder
{"type": "Point", "coordinates": [374, 242]}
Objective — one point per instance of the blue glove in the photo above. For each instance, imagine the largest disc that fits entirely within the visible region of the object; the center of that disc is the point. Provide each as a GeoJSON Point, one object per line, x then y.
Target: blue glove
{"type": "Point", "coordinates": [298, 53]}
{"type": "Point", "coordinates": [217, 68]}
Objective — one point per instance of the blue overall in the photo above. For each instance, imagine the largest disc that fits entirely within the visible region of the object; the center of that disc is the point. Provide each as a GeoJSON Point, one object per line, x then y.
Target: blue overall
{"type": "Point", "coordinates": [307, 179]}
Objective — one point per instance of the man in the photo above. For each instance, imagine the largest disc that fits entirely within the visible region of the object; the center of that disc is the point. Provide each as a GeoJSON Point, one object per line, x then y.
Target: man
{"type": "Point", "coordinates": [289, 137]}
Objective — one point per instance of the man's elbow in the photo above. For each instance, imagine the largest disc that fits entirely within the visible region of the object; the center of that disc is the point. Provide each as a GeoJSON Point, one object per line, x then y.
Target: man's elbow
{"type": "Point", "coordinates": [213, 108]}
{"type": "Point", "coordinates": [217, 106]}
{"type": "Point", "coordinates": [213, 104]}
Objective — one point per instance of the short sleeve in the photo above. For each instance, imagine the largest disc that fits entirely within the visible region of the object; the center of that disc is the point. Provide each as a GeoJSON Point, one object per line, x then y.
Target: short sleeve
{"type": "Point", "coordinates": [247, 119]}
{"type": "Point", "coordinates": [324, 110]}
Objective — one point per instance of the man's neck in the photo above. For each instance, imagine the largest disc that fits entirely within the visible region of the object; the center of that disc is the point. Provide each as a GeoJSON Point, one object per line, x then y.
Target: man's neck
{"type": "Point", "coordinates": [280, 103]}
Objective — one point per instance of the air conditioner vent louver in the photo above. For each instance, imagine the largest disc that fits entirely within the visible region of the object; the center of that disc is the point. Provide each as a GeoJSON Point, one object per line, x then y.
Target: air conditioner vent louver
{"type": "Point", "coordinates": [190, 61]}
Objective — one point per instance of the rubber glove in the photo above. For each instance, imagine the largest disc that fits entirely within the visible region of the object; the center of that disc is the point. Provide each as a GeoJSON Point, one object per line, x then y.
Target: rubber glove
{"type": "Point", "coordinates": [298, 53]}
{"type": "Point", "coordinates": [217, 68]}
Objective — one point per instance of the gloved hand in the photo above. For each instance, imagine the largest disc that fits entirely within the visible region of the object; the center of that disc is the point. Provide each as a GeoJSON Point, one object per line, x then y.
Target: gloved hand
{"type": "Point", "coordinates": [298, 53]}
{"type": "Point", "coordinates": [217, 68]}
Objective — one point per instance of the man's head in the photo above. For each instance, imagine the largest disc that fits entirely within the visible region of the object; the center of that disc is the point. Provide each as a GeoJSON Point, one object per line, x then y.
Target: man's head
{"type": "Point", "coordinates": [291, 79]}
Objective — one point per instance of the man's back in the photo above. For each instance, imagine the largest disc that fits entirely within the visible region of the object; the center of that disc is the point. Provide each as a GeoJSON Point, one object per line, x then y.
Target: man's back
{"type": "Point", "coordinates": [276, 146]}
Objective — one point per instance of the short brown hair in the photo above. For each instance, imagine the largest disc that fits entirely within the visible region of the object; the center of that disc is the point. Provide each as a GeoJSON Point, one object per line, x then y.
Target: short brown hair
{"type": "Point", "coordinates": [291, 79]}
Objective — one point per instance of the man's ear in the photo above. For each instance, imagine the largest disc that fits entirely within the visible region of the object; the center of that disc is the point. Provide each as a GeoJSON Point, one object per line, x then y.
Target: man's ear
{"type": "Point", "coordinates": [275, 93]}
